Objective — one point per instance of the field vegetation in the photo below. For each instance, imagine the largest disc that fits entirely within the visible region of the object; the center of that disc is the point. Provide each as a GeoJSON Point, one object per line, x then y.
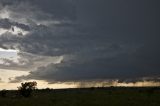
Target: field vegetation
{"type": "Point", "coordinates": [111, 96]}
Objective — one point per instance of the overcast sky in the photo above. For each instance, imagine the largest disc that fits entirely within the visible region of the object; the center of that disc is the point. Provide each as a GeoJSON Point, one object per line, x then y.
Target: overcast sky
{"type": "Point", "coordinates": [80, 40]}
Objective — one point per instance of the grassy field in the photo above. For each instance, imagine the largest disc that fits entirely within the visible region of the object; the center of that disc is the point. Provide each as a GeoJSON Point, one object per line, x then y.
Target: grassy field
{"type": "Point", "coordinates": [86, 97]}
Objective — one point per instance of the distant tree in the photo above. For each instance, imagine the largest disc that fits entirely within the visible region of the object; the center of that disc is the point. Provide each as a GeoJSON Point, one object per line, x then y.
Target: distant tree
{"type": "Point", "coordinates": [48, 89]}
{"type": "Point", "coordinates": [3, 93]}
{"type": "Point", "coordinates": [26, 88]}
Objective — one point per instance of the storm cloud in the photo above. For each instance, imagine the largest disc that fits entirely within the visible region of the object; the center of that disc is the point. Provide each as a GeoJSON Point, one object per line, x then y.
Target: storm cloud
{"type": "Point", "coordinates": [98, 40]}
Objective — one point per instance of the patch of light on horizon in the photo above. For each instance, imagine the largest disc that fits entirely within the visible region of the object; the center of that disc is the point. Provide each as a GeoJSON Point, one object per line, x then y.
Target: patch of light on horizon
{"type": "Point", "coordinates": [5, 74]}
{"type": "Point", "coordinates": [40, 85]}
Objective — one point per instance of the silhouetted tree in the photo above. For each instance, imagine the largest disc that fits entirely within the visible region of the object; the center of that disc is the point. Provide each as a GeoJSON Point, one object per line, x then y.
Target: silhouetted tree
{"type": "Point", "coordinates": [26, 88]}
{"type": "Point", "coordinates": [3, 93]}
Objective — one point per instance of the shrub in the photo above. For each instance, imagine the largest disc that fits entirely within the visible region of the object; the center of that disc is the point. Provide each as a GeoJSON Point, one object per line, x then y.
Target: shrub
{"type": "Point", "coordinates": [26, 88]}
{"type": "Point", "coordinates": [3, 93]}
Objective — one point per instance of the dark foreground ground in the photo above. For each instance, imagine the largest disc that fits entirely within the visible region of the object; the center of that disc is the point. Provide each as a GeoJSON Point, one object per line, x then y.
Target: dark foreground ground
{"type": "Point", "coordinates": [86, 97]}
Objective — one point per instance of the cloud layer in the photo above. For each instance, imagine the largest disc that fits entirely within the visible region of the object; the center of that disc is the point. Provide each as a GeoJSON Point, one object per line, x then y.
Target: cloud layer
{"type": "Point", "coordinates": [91, 40]}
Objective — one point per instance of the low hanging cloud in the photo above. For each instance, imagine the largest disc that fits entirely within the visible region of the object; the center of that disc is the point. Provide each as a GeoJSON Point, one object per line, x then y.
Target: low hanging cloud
{"type": "Point", "coordinates": [90, 41]}
{"type": "Point", "coordinates": [92, 70]}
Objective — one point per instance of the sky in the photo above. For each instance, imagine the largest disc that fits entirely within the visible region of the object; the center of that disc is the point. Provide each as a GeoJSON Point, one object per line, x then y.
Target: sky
{"type": "Point", "coordinates": [79, 43]}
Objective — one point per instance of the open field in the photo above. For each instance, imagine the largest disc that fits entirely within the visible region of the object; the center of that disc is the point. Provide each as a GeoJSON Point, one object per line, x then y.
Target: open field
{"type": "Point", "coordinates": [86, 97]}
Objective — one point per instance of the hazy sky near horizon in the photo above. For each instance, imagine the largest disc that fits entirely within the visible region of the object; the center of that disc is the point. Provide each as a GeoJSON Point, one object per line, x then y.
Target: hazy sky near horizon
{"type": "Point", "coordinates": [61, 41]}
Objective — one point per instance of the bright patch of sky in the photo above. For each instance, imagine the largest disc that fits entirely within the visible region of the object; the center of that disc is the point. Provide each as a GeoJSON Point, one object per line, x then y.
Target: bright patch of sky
{"type": "Point", "coordinates": [8, 54]}
{"type": "Point", "coordinates": [40, 84]}
{"type": "Point", "coordinates": [10, 74]}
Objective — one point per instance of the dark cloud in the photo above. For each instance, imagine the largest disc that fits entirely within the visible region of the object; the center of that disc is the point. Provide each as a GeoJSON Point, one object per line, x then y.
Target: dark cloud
{"type": "Point", "coordinates": [102, 39]}
{"type": "Point", "coordinates": [122, 67]}
{"type": "Point", "coordinates": [61, 9]}
{"type": "Point", "coordinates": [7, 24]}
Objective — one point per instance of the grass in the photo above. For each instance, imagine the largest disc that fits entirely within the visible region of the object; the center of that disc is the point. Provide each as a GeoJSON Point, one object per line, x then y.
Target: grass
{"type": "Point", "coordinates": [86, 97]}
